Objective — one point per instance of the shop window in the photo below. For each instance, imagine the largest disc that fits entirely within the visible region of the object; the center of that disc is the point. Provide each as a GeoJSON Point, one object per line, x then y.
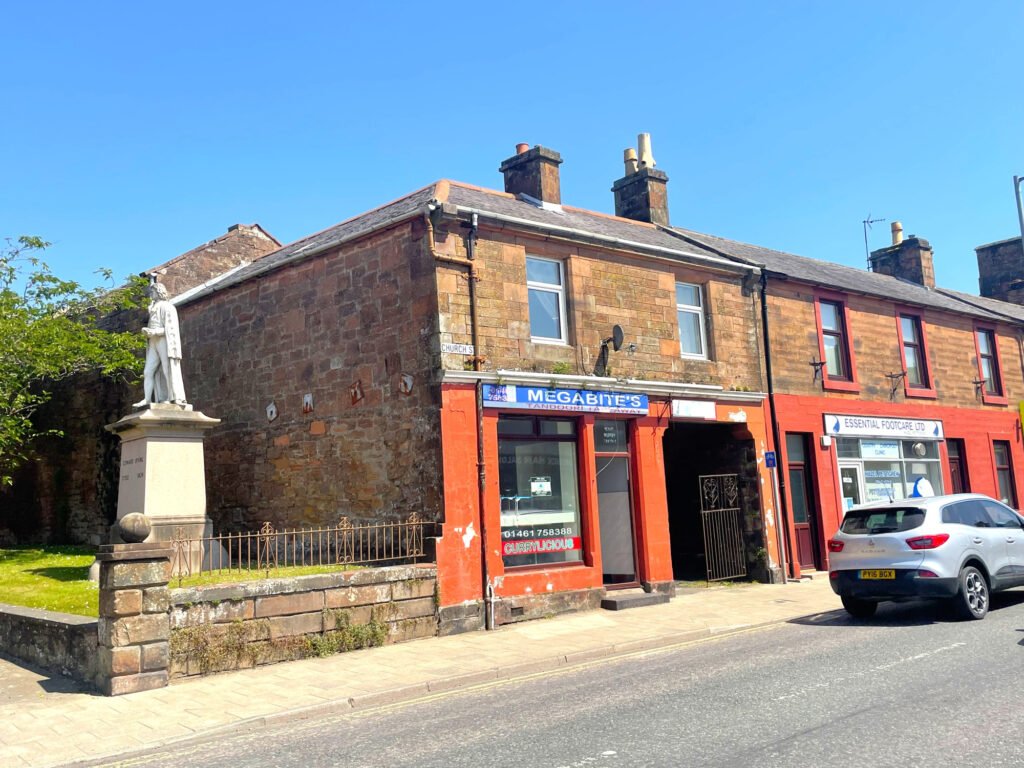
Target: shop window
{"type": "Point", "coordinates": [915, 356]}
{"type": "Point", "coordinates": [881, 469]}
{"type": "Point", "coordinates": [834, 344]}
{"type": "Point", "coordinates": [990, 375]}
{"type": "Point", "coordinates": [690, 314]}
{"type": "Point", "coordinates": [546, 287]}
{"type": "Point", "coordinates": [1004, 472]}
{"type": "Point", "coordinates": [539, 484]}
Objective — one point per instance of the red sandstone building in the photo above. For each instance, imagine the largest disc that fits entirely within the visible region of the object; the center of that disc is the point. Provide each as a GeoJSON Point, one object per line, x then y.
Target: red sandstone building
{"type": "Point", "coordinates": [582, 402]}
{"type": "Point", "coordinates": [879, 379]}
{"type": "Point", "coordinates": [458, 353]}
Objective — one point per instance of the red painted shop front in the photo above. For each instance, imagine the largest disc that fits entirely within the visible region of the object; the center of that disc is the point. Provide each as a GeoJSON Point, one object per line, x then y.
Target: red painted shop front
{"type": "Point", "coordinates": [837, 453]}
{"type": "Point", "coordinates": [575, 501]}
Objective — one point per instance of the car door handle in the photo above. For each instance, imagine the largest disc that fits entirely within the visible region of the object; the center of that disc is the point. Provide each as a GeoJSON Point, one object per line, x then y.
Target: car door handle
{"type": "Point", "coordinates": [976, 539]}
{"type": "Point", "coordinates": [1010, 539]}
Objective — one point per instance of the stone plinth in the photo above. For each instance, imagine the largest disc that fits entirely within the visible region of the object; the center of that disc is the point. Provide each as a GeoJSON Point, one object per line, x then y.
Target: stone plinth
{"type": "Point", "coordinates": [134, 624]}
{"type": "Point", "coordinates": [162, 470]}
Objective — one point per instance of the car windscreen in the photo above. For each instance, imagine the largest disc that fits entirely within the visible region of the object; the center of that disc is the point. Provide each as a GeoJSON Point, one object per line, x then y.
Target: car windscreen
{"type": "Point", "coordinates": [886, 520]}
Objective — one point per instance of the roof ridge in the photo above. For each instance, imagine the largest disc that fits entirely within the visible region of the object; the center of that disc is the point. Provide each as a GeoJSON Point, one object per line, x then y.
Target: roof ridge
{"type": "Point", "coordinates": [486, 190]}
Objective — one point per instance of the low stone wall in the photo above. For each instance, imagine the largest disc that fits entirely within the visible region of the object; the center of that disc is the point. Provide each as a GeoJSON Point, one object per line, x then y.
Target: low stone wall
{"type": "Point", "coordinates": [235, 626]}
{"type": "Point", "coordinates": [60, 643]}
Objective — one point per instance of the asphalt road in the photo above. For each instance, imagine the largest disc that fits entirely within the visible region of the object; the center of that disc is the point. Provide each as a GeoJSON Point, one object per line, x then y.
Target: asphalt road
{"type": "Point", "coordinates": [910, 687]}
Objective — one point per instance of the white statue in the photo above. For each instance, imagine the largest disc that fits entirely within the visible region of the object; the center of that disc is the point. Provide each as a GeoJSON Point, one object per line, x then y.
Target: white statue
{"type": "Point", "coordinates": [162, 383]}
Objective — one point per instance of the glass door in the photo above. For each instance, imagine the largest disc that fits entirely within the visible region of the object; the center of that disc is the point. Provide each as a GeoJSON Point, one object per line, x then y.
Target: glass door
{"type": "Point", "coordinates": [851, 481]}
{"type": "Point", "coordinates": [614, 510]}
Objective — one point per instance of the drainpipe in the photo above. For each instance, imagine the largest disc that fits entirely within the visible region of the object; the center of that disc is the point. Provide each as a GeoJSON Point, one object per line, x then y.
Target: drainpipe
{"type": "Point", "coordinates": [487, 589]}
{"type": "Point", "coordinates": [783, 511]}
{"type": "Point", "coordinates": [487, 586]}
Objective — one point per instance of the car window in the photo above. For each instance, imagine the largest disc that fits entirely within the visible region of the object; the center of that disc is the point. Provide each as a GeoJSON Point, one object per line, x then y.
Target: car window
{"type": "Point", "coordinates": [968, 512]}
{"type": "Point", "coordinates": [1001, 516]}
{"type": "Point", "coordinates": [886, 520]}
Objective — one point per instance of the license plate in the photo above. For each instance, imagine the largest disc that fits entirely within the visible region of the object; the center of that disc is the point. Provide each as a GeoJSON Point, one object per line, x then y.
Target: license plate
{"type": "Point", "coordinates": [878, 574]}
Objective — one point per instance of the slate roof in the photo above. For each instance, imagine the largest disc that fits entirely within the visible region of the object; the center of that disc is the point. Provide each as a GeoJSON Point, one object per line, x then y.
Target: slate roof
{"type": "Point", "coordinates": [864, 281]}
{"type": "Point", "coordinates": [328, 238]}
{"type": "Point", "coordinates": [602, 226]}
{"type": "Point", "coordinates": [670, 241]}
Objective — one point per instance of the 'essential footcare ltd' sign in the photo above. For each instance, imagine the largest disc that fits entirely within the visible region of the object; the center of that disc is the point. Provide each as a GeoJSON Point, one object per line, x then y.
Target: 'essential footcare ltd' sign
{"type": "Point", "coordinates": [882, 426]}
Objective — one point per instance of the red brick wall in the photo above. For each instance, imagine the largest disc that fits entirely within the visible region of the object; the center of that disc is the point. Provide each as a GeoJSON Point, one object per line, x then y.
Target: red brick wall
{"type": "Point", "coordinates": [363, 312]}
{"type": "Point", "coordinates": [603, 289]}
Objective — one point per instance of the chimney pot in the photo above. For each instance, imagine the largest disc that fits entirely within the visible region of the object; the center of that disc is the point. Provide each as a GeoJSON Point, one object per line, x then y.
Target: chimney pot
{"type": "Point", "coordinates": [643, 144]}
{"type": "Point", "coordinates": [629, 158]}
{"type": "Point", "coordinates": [897, 232]}
{"type": "Point", "coordinates": [521, 148]}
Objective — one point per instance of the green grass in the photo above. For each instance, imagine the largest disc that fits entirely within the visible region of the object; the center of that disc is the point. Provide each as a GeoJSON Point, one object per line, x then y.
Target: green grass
{"type": "Point", "coordinates": [230, 577]}
{"type": "Point", "coordinates": [57, 578]}
{"type": "Point", "coordinates": [52, 578]}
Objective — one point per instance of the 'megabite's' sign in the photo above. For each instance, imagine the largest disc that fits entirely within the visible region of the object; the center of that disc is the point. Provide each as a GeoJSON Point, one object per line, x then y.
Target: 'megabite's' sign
{"type": "Point", "coordinates": [545, 399]}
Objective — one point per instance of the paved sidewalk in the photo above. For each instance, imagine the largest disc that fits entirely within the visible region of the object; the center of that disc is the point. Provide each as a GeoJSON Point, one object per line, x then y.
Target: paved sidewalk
{"type": "Point", "coordinates": [45, 722]}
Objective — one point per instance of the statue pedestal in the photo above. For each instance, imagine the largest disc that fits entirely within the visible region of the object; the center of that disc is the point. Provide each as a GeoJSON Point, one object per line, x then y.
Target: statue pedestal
{"type": "Point", "coordinates": [163, 473]}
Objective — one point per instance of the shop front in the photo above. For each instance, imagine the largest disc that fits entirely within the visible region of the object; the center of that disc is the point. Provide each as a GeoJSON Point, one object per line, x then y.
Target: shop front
{"type": "Point", "coordinates": [833, 461]}
{"type": "Point", "coordinates": [573, 491]}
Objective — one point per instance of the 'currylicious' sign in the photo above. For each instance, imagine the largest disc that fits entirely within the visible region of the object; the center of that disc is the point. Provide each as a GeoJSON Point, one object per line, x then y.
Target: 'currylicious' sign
{"type": "Point", "coordinates": [882, 426]}
{"type": "Point", "coordinates": [547, 399]}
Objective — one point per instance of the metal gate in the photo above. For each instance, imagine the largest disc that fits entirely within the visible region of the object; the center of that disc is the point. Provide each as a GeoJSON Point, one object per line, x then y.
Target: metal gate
{"type": "Point", "coordinates": [723, 531]}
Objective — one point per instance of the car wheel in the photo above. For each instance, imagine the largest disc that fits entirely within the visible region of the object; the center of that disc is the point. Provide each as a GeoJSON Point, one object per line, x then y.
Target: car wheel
{"type": "Point", "coordinates": [859, 609]}
{"type": "Point", "coordinates": [972, 599]}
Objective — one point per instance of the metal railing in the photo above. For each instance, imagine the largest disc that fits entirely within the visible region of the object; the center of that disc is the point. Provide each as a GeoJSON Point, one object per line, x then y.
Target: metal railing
{"type": "Point", "coordinates": [269, 549]}
{"type": "Point", "coordinates": [722, 521]}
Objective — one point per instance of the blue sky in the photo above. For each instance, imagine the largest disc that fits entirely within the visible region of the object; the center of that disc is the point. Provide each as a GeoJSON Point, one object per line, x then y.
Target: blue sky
{"type": "Point", "coordinates": [134, 132]}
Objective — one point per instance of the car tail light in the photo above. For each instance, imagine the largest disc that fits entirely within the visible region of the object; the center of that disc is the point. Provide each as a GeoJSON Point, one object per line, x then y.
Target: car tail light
{"type": "Point", "coordinates": [928, 542]}
{"type": "Point", "coordinates": [835, 545]}
{"type": "Point", "coordinates": [927, 574]}
{"type": "Point", "coordinates": [833, 574]}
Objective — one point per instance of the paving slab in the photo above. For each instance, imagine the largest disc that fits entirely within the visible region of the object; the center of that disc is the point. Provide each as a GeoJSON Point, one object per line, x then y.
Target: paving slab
{"type": "Point", "coordinates": [47, 721]}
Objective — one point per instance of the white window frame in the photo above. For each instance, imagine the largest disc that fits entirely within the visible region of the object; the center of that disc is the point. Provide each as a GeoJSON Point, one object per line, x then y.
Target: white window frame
{"type": "Point", "coordinates": [694, 309]}
{"type": "Point", "coordinates": [559, 290]}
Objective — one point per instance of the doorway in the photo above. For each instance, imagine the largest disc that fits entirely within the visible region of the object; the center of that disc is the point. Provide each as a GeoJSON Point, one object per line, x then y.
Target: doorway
{"type": "Point", "coordinates": [957, 465]}
{"type": "Point", "coordinates": [694, 450]}
{"type": "Point", "coordinates": [614, 507]}
{"type": "Point", "coordinates": [805, 518]}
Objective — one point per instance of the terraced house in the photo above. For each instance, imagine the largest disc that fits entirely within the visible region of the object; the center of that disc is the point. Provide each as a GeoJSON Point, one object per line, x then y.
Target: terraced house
{"type": "Point", "coordinates": [880, 380]}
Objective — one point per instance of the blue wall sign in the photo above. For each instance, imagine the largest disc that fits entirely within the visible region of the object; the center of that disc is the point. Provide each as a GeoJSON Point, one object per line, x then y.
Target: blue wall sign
{"type": "Point", "coordinates": [769, 459]}
{"type": "Point", "coordinates": [577, 400]}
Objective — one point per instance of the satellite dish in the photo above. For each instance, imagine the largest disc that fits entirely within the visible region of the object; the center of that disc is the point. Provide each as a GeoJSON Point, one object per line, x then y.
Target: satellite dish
{"type": "Point", "coordinates": [617, 338]}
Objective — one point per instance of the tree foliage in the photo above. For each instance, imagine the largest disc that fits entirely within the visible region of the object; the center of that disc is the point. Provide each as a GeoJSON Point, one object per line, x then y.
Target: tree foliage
{"type": "Point", "coordinates": [51, 329]}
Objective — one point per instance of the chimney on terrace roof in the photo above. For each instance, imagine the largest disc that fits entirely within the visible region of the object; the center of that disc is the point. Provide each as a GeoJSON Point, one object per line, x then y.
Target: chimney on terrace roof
{"type": "Point", "coordinates": [642, 194]}
{"type": "Point", "coordinates": [533, 172]}
{"type": "Point", "coordinates": [1001, 270]}
{"type": "Point", "coordinates": [909, 259]}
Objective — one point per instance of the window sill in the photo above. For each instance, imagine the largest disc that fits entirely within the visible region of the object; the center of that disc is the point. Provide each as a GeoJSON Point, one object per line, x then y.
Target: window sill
{"type": "Point", "coordinates": [703, 358]}
{"type": "Point", "coordinates": [921, 392]}
{"type": "Point", "coordinates": [840, 386]}
{"type": "Point", "coordinates": [994, 399]}
{"type": "Point", "coordinates": [549, 342]}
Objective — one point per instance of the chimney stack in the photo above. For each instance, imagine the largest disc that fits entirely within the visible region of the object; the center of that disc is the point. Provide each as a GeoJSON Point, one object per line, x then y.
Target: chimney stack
{"type": "Point", "coordinates": [909, 259]}
{"type": "Point", "coordinates": [1001, 270]}
{"type": "Point", "coordinates": [533, 172]}
{"type": "Point", "coordinates": [642, 194]}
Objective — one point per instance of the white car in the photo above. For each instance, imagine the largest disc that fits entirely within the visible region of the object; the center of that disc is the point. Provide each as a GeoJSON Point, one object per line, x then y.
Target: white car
{"type": "Point", "coordinates": [961, 547]}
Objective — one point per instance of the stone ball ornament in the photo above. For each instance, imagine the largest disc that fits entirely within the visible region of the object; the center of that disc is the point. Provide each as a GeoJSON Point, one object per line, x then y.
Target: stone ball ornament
{"type": "Point", "coordinates": [134, 528]}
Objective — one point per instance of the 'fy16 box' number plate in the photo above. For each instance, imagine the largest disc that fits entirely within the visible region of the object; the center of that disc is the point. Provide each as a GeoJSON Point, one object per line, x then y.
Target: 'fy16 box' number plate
{"type": "Point", "coordinates": [878, 574]}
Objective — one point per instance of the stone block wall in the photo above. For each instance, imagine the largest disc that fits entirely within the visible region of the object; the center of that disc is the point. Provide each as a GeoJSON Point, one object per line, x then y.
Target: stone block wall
{"type": "Point", "coordinates": [603, 289]}
{"type": "Point", "coordinates": [133, 625]}
{"type": "Point", "coordinates": [59, 643]}
{"type": "Point", "coordinates": [953, 358]}
{"type": "Point", "coordinates": [236, 626]}
{"type": "Point", "coordinates": [357, 318]}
